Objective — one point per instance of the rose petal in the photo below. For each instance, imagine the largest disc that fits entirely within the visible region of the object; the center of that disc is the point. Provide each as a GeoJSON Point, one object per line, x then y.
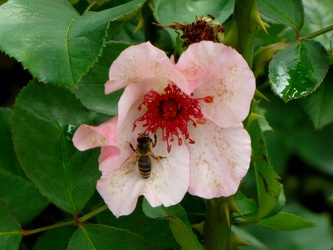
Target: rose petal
{"type": "Point", "coordinates": [213, 69]}
{"type": "Point", "coordinates": [220, 158]}
{"type": "Point", "coordinates": [167, 184]}
{"type": "Point", "coordinates": [130, 101]}
{"type": "Point", "coordinates": [169, 180]}
{"type": "Point", "coordinates": [87, 137]}
{"type": "Point", "coordinates": [125, 137]}
{"type": "Point", "coordinates": [120, 189]}
{"type": "Point", "coordinates": [142, 63]}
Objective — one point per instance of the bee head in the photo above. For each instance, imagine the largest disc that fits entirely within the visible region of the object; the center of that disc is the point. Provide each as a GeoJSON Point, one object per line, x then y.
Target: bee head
{"type": "Point", "coordinates": [143, 138]}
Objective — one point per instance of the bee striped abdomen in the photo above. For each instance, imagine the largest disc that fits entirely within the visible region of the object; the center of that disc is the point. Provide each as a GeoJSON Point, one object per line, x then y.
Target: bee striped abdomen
{"type": "Point", "coordinates": [144, 165]}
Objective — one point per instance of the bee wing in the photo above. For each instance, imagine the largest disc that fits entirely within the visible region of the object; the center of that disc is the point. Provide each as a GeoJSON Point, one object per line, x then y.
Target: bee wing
{"type": "Point", "coordinates": [131, 160]}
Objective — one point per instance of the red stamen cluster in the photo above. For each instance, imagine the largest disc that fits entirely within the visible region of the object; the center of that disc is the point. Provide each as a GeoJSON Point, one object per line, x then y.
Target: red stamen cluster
{"type": "Point", "coordinates": [171, 111]}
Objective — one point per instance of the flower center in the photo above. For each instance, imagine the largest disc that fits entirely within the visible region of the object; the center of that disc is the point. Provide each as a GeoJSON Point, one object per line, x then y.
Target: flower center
{"type": "Point", "coordinates": [171, 111]}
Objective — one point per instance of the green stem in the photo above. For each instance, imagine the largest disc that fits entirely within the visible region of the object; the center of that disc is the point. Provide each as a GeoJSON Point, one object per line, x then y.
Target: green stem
{"type": "Point", "coordinates": [90, 6]}
{"type": "Point", "coordinates": [65, 223]}
{"type": "Point", "coordinates": [244, 16]}
{"type": "Point", "coordinates": [217, 227]}
{"type": "Point", "coordinates": [93, 213]}
{"type": "Point", "coordinates": [217, 230]}
{"type": "Point", "coordinates": [317, 33]}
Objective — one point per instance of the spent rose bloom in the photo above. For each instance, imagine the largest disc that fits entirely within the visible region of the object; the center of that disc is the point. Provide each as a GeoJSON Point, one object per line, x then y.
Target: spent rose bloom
{"type": "Point", "coordinates": [195, 107]}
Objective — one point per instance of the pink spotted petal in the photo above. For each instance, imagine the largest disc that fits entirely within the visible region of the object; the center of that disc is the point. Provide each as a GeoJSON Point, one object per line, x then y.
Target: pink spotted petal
{"type": "Point", "coordinates": [142, 63]}
{"type": "Point", "coordinates": [130, 101]}
{"type": "Point", "coordinates": [125, 137]}
{"type": "Point", "coordinates": [220, 158]}
{"type": "Point", "coordinates": [167, 184]}
{"type": "Point", "coordinates": [87, 137]}
{"type": "Point", "coordinates": [120, 189]}
{"type": "Point", "coordinates": [213, 69]}
{"type": "Point", "coordinates": [170, 180]}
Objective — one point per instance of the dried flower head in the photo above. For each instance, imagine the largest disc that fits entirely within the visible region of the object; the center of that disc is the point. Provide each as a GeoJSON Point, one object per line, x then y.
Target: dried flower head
{"type": "Point", "coordinates": [204, 28]}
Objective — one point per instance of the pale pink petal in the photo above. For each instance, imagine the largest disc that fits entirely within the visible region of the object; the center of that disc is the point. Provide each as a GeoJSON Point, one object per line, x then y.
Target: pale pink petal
{"type": "Point", "coordinates": [120, 189]}
{"type": "Point", "coordinates": [213, 69]}
{"type": "Point", "coordinates": [141, 63]}
{"type": "Point", "coordinates": [125, 137]}
{"type": "Point", "coordinates": [220, 158]}
{"type": "Point", "coordinates": [169, 180]}
{"type": "Point", "coordinates": [167, 184]}
{"type": "Point", "coordinates": [130, 101]}
{"type": "Point", "coordinates": [87, 137]}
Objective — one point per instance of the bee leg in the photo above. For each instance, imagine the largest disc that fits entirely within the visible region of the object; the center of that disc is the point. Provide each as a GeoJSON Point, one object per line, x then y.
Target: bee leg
{"type": "Point", "coordinates": [157, 157]}
{"type": "Point", "coordinates": [155, 140]}
{"type": "Point", "coordinates": [132, 147]}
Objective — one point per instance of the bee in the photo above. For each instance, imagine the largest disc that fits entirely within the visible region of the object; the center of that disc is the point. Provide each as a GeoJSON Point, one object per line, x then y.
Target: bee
{"type": "Point", "coordinates": [144, 154]}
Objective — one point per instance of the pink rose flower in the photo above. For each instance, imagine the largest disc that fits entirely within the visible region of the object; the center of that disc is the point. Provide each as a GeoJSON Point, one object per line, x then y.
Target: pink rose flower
{"type": "Point", "coordinates": [194, 107]}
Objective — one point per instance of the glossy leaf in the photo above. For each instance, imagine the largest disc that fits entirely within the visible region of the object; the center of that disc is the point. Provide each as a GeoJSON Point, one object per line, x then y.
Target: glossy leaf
{"type": "Point", "coordinates": [179, 224]}
{"type": "Point", "coordinates": [10, 235]}
{"type": "Point", "coordinates": [104, 237]}
{"type": "Point", "coordinates": [8, 159]}
{"type": "Point", "coordinates": [90, 89]}
{"type": "Point", "coordinates": [319, 105]}
{"type": "Point", "coordinates": [21, 196]}
{"type": "Point", "coordinates": [55, 239]}
{"type": "Point", "coordinates": [290, 13]}
{"type": "Point", "coordinates": [186, 11]}
{"type": "Point", "coordinates": [286, 222]}
{"type": "Point", "coordinates": [43, 123]}
{"type": "Point", "coordinates": [52, 40]}
{"type": "Point", "coordinates": [298, 70]}
{"type": "Point", "coordinates": [268, 182]}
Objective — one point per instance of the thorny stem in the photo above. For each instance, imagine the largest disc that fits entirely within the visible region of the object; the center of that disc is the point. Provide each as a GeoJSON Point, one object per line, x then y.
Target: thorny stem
{"type": "Point", "coordinates": [217, 229]}
{"type": "Point", "coordinates": [76, 221]}
{"type": "Point", "coordinates": [246, 28]}
{"type": "Point", "coordinates": [217, 226]}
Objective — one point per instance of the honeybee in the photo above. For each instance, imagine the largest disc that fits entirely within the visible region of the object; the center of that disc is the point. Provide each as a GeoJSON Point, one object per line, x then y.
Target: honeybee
{"type": "Point", "coordinates": [144, 154]}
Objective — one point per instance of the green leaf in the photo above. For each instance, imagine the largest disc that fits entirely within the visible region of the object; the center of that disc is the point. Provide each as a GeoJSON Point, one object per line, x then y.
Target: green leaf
{"type": "Point", "coordinates": [21, 196]}
{"type": "Point", "coordinates": [52, 40]}
{"type": "Point", "coordinates": [281, 202]}
{"type": "Point", "coordinates": [10, 235]}
{"type": "Point", "coordinates": [43, 122]}
{"type": "Point", "coordinates": [318, 238]}
{"type": "Point", "coordinates": [186, 11]}
{"type": "Point", "coordinates": [318, 16]}
{"type": "Point", "coordinates": [245, 204]}
{"type": "Point", "coordinates": [8, 159]}
{"type": "Point", "coordinates": [290, 13]}
{"type": "Point", "coordinates": [268, 182]}
{"type": "Point", "coordinates": [286, 222]}
{"type": "Point", "coordinates": [59, 238]}
{"type": "Point", "coordinates": [178, 221]}
{"type": "Point", "coordinates": [105, 237]}
{"type": "Point", "coordinates": [319, 105]}
{"type": "Point", "coordinates": [155, 231]}
{"type": "Point", "coordinates": [315, 148]}
{"type": "Point", "coordinates": [298, 70]}
{"type": "Point", "coordinates": [91, 88]}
